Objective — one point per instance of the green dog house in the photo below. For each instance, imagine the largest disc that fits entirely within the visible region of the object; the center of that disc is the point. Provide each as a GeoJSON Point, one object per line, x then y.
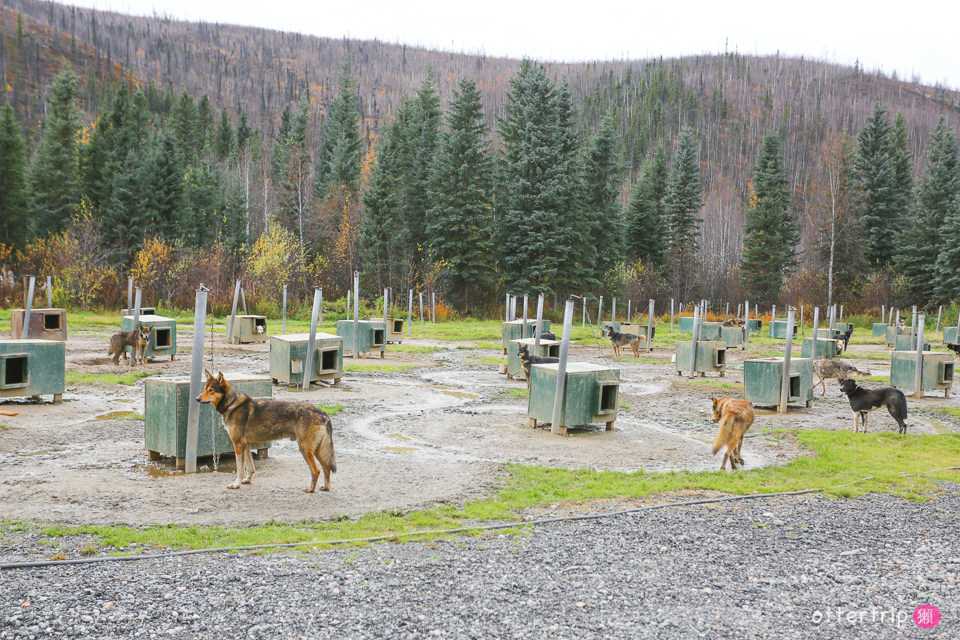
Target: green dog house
{"type": "Point", "coordinates": [163, 338]}
{"type": "Point", "coordinates": [590, 395]}
{"type": "Point", "coordinates": [288, 356]}
{"type": "Point", "coordinates": [779, 329]}
{"type": "Point", "coordinates": [711, 357]}
{"type": "Point", "coordinates": [763, 377]}
{"type": "Point", "coordinates": [166, 404]}
{"type": "Point", "coordinates": [825, 348]}
{"type": "Point", "coordinates": [733, 336]}
{"type": "Point", "coordinates": [32, 368]}
{"type": "Point", "coordinates": [372, 336]}
{"type": "Point", "coordinates": [936, 371]}
{"type": "Point", "coordinates": [512, 331]}
{"type": "Point", "coordinates": [249, 329]}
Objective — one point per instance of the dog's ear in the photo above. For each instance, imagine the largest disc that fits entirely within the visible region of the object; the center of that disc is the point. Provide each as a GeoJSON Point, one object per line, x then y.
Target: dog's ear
{"type": "Point", "coordinates": [208, 374]}
{"type": "Point", "coordinates": [715, 401]}
{"type": "Point", "coordinates": [220, 377]}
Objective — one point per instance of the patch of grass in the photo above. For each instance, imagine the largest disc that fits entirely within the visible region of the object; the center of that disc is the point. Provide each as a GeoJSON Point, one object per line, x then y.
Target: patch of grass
{"type": "Point", "coordinates": [378, 368]}
{"type": "Point", "coordinates": [331, 409]}
{"type": "Point", "coordinates": [136, 416]}
{"type": "Point", "coordinates": [518, 393]}
{"type": "Point", "coordinates": [625, 405]}
{"type": "Point", "coordinates": [493, 361]}
{"type": "Point", "coordinates": [890, 461]}
{"type": "Point", "coordinates": [4, 427]}
{"type": "Point", "coordinates": [412, 348]}
{"type": "Point", "coordinates": [486, 345]}
{"type": "Point", "coordinates": [129, 378]}
{"type": "Point", "coordinates": [877, 379]}
{"type": "Point", "coordinates": [711, 382]}
{"type": "Point", "coordinates": [950, 411]}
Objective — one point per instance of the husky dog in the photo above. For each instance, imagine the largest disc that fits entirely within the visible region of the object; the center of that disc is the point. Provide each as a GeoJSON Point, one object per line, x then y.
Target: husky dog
{"type": "Point", "coordinates": [735, 417]}
{"type": "Point", "coordinates": [137, 340]}
{"type": "Point", "coordinates": [619, 340]}
{"type": "Point", "coordinates": [527, 360]}
{"type": "Point", "coordinates": [824, 368]}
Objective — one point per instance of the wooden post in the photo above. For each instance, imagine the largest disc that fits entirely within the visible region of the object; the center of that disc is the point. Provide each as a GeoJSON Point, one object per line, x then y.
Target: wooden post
{"type": "Point", "coordinates": [693, 342]}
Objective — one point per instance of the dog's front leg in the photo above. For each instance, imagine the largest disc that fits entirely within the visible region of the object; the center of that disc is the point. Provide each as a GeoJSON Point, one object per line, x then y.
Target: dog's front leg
{"type": "Point", "coordinates": [856, 422]}
{"type": "Point", "coordinates": [238, 455]}
{"type": "Point", "coordinates": [248, 464]}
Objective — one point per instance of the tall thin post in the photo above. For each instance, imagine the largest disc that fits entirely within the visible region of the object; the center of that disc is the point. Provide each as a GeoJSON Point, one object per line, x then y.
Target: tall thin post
{"type": "Point", "coordinates": [918, 367]}
{"type": "Point", "coordinates": [746, 329]}
{"type": "Point", "coordinates": [650, 310]}
{"type": "Point", "coordinates": [233, 312]}
{"type": "Point", "coordinates": [897, 326]}
{"type": "Point", "coordinates": [913, 327]}
{"type": "Point", "coordinates": [421, 307]}
{"type": "Point", "coordinates": [539, 327]}
{"type": "Point", "coordinates": [196, 369]}
{"type": "Point", "coordinates": [320, 320]}
{"type": "Point", "coordinates": [801, 318]}
{"type": "Point", "coordinates": [349, 308]}
{"type": "Point", "coordinates": [813, 339]}
{"type": "Point", "coordinates": [671, 315]}
{"type": "Point", "coordinates": [726, 315]}
{"type": "Point", "coordinates": [137, 298]}
{"type": "Point", "coordinates": [562, 370]}
{"type": "Point", "coordinates": [693, 342]}
{"type": "Point", "coordinates": [583, 302]}
{"type": "Point", "coordinates": [939, 311]}
{"type": "Point", "coordinates": [283, 328]}
{"type": "Point", "coordinates": [600, 313]}
{"type": "Point", "coordinates": [506, 309]}
{"type": "Point", "coordinates": [356, 314]}
{"type": "Point", "coordinates": [386, 302]}
{"type": "Point", "coordinates": [628, 310]}
{"type": "Point", "coordinates": [129, 293]}
{"type": "Point", "coordinates": [773, 316]}
{"type": "Point", "coordinates": [433, 307]}
{"type": "Point", "coordinates": [50, 292]}
{"type": "Point", "coordinates": [739, 309]}
{"type": "Point", "coordinates": [883, 313]}
{"type": "Point", "coordinates": [613, 313]}
{"type": "Point", "coordinates": [27, 307]}
{"type": "Point", "coordinates": [785, 381]}
{"type": "Point", "coordinates": [841, 315]}
{"type": "Point", "coordinates": [243, 299]}
{"type": "Point", "coordinates": [523, 322]}
{"type": "Point", "coordinates": [312, 339]}
{"type": "Point", "coordinates": [410, 313]}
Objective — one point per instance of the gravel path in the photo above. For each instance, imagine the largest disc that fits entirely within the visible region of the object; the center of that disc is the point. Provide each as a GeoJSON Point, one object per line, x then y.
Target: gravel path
{"type": "Point", "coordinates": [796, 567]}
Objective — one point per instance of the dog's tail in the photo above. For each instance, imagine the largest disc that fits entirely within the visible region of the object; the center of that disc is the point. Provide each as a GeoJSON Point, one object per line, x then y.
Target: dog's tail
{"type": "Point", "coordinates": [724, 433]}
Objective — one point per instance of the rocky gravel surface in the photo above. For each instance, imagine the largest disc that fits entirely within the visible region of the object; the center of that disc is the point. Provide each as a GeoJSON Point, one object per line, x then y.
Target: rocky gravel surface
{"type": "Point", "coordinates": [792, 567]}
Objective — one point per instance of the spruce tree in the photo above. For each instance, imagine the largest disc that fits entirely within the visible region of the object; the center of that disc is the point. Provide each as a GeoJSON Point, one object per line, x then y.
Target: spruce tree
{"type": "Point", "coordinates": [233, 231]}
{"type": "Point", "coordinates": [681, 206]}
{"type": "Point", "coordinates": [203, 205]}
{"type": "Point", "coordinates": [184, 125]}
{"type": "Point", "coordinates": [902, 172]}
{"type": "Point", "coordinates": [54, 175]}
{"type": "Point", "coordinates": [338, 161]}
{"type": "Point", "coordinates": [223, 141]}
{"type": "Point", "coordinates": [423, 135]}
{"type": "Point", "coordinates": [461, 218]}
{"type": "Point", "coordinates": [293, 184]}
{"type": "Point", "coordinates": [602, 173]}
{"type": "Point", "coordinates": [771, 230]}
{"type": "Point", "coordinates": [162, 180]}
{"type": "Point", "coordinates": [383, 229]}
{"type": "Point", "coordinates": [123, 218]}
{"type": "Point", "coordinates": [875, 175]}
{"type": "Point", "coordinates": [14, 215]}
{"type": "Point", "coordinates": [645, 219]}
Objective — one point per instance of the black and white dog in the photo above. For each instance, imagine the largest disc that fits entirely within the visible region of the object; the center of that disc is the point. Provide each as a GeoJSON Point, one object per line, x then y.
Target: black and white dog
{"type": "Point", "coordinates": [843, 339]}
{"type": "Point", "coordinates": [954, 347]}
{"type": "Point", "coordinates": [863, 401]}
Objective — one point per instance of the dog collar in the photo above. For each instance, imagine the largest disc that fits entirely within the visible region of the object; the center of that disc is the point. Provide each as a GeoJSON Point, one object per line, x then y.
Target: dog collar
{"type": "Point", "coordinates": [230, 406]}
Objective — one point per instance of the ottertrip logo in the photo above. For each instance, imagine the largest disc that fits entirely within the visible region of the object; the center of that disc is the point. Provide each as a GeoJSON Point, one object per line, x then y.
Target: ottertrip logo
{"type": "Point", "coordinates": [926, 616]}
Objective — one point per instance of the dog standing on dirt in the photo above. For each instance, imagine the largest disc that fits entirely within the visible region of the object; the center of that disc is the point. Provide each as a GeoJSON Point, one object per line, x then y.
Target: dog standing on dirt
{"type": "Point", "coordinates": [735, 417]}
{"type": "Point", "coordinates": [137, 341]}
{"type": "Point", "coordinates": [824, 368]}
{"type": "Point", "coordinates": [863, 401]}
{"type": "Point", "coordinates": [527, 360]}
{"type": "Point", "coordinates": [250, 421]}
{"type": "Point", "coordinates": [620, 340]}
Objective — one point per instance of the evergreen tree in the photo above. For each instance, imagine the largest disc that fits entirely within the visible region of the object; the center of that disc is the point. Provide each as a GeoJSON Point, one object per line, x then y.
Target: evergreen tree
{"type": "Point", "coordinates": [681, 205]}
{"type": "Point", "coordinates": [875, 175]}
{"type": "Point", "coordinates": [646, 232]}
{"type": "Point", "coordinates": [205, 123]}
{"type": "Point", "coordinates": [536, 189]}
{"type": "Point", "coordinates": [278, 156]}
{"type": "Point", "coordinates": [184, 126]}
{"type": "Point", "coordinates": [13, 194]}
{"type": "Point", "coordinates": [771, 231]}
{"type": "Point", "coordinates": [936, 195]}
{"type": "Point", "coordinates": [902, 171]}
{"type": "Point", "coordinates": [122, 228]}
{"type": "Point", "coordinates": [235, 215]}
{"type": "Point", "coordinates": [162, 180]}
{"type": "Point", "coordinates": [423, 136]}
{"type": "Point", "coordinates": [602, 173]}
{"type": "Point", "coordinates": [292, 210]}
{"type": "Point", "coordinates": [223, 142]}
{"type": "Point", "coordinates": [202, 206]}
{"type": "Point", "coordinates": [54, 176]}
{"type": "Point", "coordinates": [338, 161]}
{"type": "Point", "coordinates": [383, 230]}
{"type": "Point", "coordinates": [461, 218]}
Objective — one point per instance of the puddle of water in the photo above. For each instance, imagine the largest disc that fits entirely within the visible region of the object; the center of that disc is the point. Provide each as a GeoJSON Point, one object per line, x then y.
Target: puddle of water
{"type": "Point", "coordinates": [401, 449]}
{"type": "Point", "coordinates": [39, 452]}
{"type": "Point", "coordinates": [115, 415]}
{"type": "Point", "coordinates": [398, 436]}
{"type": "Point", "coordinates": [168, 470]}
{"type": "Point", "coordinates": [579, 432]}
{"type": "Point", "coordinates": [462, 394]}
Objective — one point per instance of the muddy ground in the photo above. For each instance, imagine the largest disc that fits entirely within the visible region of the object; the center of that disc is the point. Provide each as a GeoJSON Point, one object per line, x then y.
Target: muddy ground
{"type": "Point", "coordinates": [438, 433]}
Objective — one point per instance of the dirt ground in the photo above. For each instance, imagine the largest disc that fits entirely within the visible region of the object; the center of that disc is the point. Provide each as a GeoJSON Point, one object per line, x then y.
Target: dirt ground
{"type": "Point", "coordinates": [438, 433]}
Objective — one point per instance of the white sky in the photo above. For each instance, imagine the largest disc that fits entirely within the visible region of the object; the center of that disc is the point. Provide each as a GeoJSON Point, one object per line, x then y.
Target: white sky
{"type": "Point", "coordinates": [915, 39]}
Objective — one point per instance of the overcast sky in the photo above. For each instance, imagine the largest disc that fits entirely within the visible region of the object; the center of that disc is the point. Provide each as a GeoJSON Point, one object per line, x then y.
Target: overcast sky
{"type": "Point", "coordinates": [915, 39]}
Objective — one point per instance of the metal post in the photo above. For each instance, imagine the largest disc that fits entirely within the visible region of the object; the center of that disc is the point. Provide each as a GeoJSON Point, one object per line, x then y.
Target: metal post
{"type": "Point", "coordinates": [746, 329]}
{"type": "Point", "coordinates": [410, 313]}
{"type": "Point", "coordinates": [312, 339]}
{"type": "Point", "coordinates": [243, 298]}
{"type": "Point", "coordinates": [129, 293]}
{"type": "Point", "coordinates": [833, 320]}
{"type": "Point", "coordinates": [913, 327]}
{"type": "Point", "coordinates": [918, 374]}
{"type": "Point", "coordinates": [421, 307]}
{"type": "Point", "coordinates": [320, 319]}
{"type": "Point", "coordinates": [196, 369]}
{"type": "Point", "coordinates": [49, 292]}
{"type": "Point", "coordinates": [137, 297]}
{"type": "Point", "coordinates": [349, 308]}
{"type": "Point", "coordinates": [283, 328]}
{"type": "Point", "coordinates": [356, 314]}
{"type": "Point", "coordinates": [27, 307]}
{"type": "Point", "coordinates": [539, 328]}
{"type": "Point", "coordinates": [433, 307]}
{"type": "Point", "coordinates": [506, 308]}
{"type": "Point", "coordinates": [883, 314]}
{"type": "Point", "coordinates": [773, 315]}
{"type": "Point", "coordinates": [813, 345]}
{"type": "Point", "coordinates": [939, 311]}
{"type": "Point", "coordinates": [739, 309]}
{"type": "Point", "coordinates": [693, 342]}
{"type": "Point", "coordinates": [583, 302]}
{"type": "Point", "coordinates": [628, 310]}
{"type": "Point", "coordinates": [600, 313]}
{"type": "Point", "coordinates": [671, 315]}
{"type": "Point", "coordinates": [613, 313]}
{"type": "Point", "coordinates": [726, 315]}
{"type": "Point", "coordinates": [650, 311]}
{"type": "Point", "coordinates": [523, 323]}
{"type": "Point", "coordinates": [233, 312]}
{"type": "Point", "coordinates": [841, 315]}
{"type": "Point", "coordinates": [386, 302]}
{"type": "Point", "coordinates": [785, 381]}
{"type": "Point", "coordinates": [562, 370]}
{"type": "Point", "coordinates": [513, 308]}
{"type": "Point", "coordinates": [801, 318]}
{"type": "Point", "coordinates": [897, 326]}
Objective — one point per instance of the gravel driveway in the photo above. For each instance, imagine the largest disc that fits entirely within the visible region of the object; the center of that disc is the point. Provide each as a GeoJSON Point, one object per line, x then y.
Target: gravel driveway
{"type": "Point", "coordinates": [795, 567]}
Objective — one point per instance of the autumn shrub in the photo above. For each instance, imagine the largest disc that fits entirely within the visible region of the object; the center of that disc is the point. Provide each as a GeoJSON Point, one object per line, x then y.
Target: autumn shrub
{"type": "Point", "coordinates": [156, 269]}
{"type": "Point", "coordinates": [273, 261]}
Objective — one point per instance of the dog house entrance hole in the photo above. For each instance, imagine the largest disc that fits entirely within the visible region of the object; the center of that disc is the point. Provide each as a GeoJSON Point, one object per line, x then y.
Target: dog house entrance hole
{"type": "Point", "coordinates": [553, 351]}
{"type": "Point", "coordinates": [721, 355]}
{"type": "Point", "coordinates": [14, 371]}
{"type": "Point", "coordinates": [608, 397]}
{"type": "Point", "coordinates": [947, 375]}
{"type": "Point", "coordinates": [328, 360]}
{"type": "Point", "coordinates": [398, 326]}
{"type": "Point", "coordinates": [379, 337]}
{"type": "Point", "coordinates": [794, 385]}
{"type": "Point", "coordinates": [260, 325]}
{"type": "Point", "coordinates": [51, 321]}
{"type": "Point", "coordinates": [163, 336]}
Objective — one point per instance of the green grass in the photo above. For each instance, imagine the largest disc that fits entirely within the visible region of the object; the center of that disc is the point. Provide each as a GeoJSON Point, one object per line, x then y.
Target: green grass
{"type": "Point", "coordinates": [837, 457]}
{"type": "Point", "coordinates": [136, 416]}
{"type": "Point", "coordinates": [378, 368]}
{"type": "Point", "coordinates": [331, 409]}
{"type": "Point", "coordinates": [518, 393]}
{"type": "Point", "coordinates": [129, 378]}
{"type": "Point", "coordinates": [950, 411]}
{"type": "Point", "coordinates": [494, 361]}
{"type": "Point", "coordinates": [877, 379]}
